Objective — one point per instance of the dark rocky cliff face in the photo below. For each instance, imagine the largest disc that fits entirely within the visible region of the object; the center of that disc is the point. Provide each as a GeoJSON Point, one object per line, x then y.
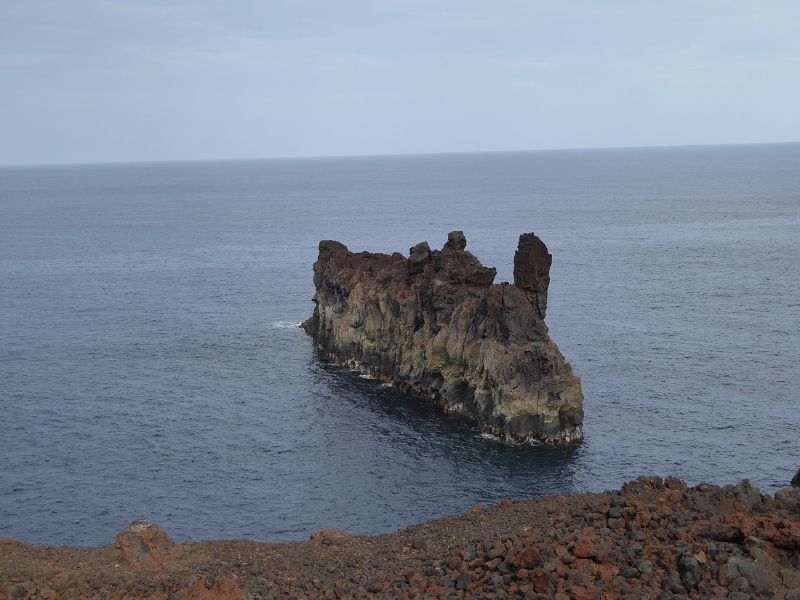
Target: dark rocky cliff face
{"type": "Point", "coordinates": [436, 325]}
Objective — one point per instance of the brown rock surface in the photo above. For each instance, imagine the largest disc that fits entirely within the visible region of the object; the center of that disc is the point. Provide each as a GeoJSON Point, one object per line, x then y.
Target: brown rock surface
{"type": "Point", "coordinates": [437, 326]}
{"type": "Point", "coordinates": [143, 545]}
{"type": "Point", "coordinates": [674, 542]}
{"type": "Point", "coordinates": [224, 588]}
{"type": "Point", "coordinates": [328, 534]}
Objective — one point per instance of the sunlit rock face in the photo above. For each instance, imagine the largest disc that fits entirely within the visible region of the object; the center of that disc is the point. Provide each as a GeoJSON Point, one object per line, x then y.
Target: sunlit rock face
{"type": "Point", "coordinates": [436, 325]}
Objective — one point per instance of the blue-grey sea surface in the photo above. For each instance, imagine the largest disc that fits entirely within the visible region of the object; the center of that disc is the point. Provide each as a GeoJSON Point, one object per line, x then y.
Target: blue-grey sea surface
{"type": "Point", "coordinates": [151, 366]}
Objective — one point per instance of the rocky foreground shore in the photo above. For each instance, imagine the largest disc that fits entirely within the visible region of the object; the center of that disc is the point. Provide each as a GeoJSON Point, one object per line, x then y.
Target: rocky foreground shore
{"type": "Point", "coordinates": [653, 538]}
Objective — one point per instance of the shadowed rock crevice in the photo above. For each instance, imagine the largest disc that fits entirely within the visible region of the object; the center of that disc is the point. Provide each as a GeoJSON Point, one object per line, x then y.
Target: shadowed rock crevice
{"type": "Point", "coordinates": [437, 326]}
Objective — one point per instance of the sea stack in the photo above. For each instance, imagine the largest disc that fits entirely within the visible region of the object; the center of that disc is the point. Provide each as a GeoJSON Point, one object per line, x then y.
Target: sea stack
{"type": "Point", "coordinates": [437, 326]}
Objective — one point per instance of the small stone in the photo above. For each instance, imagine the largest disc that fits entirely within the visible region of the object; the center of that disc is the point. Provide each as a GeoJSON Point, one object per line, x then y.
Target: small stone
{"type": "Point", "coordinates": [689, 568]}
{"type": "Point", "coordinates": [673, 583]}
{"type": "Point", "coordinates": [636, 535]}
{"type": "Point", "coordinates": [584, 547]}
{"type": "Point", "coordinates": [467, 555]}
{"type": "Point", "coordinates": [616, 523]}
{"type": "Point", "coordinates": [492, 564]}
{"type": "Point", "coordinates": [541, 582]}
{"type": "Point", "coordinates": [645, 567]}
{"type": "Point", "coordinates": [740, 584]}
{"type": "Point", "coordinates": [628, 572]}
{"type": "Point", "coordinates": [16, 592]}
{"type": "Point", "coordinates": [463, 580]}
{"type": "Point", "coordinates": [606, 572]}
{"type": "Point", "coordinates": [527, 557]}
{"type": "Point", "coordinates": [583, 592]}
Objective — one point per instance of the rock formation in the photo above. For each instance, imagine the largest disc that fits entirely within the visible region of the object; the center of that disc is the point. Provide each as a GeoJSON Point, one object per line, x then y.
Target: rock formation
{"type": "Point", "coordinates": [791, 495]}
{"type": "Point", "coordinates": [436, 325]}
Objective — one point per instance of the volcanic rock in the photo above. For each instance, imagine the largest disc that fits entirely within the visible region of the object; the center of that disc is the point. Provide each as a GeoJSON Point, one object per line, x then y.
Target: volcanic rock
{"type": "Point", "coordinates": [436, 325]}
{"type": "Point", "coordinates": [692, 547]}
{"type": "Point", "coordinates": [143, 545]}
{"type": "Point", "coordinates": [328, 534]}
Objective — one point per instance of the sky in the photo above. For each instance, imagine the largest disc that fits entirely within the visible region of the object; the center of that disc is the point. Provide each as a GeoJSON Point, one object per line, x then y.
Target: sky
{"type": "Point", "coordinates": [126, 80]}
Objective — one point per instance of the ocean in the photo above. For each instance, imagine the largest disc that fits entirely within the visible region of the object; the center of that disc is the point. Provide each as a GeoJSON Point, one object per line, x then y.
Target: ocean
{"type": "Point", "coordinates": [151, 365]}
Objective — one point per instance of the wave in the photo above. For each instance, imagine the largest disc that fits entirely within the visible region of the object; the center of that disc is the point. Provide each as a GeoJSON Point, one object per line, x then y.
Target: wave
{"type": "Point", "coordinates": [285, 325]}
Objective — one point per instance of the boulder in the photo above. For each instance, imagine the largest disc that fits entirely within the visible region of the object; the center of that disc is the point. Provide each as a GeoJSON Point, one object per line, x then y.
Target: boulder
{"type": "Point", "coordinates": [789, 497]}
{"type": "Point", "coordinates": [143, 545]}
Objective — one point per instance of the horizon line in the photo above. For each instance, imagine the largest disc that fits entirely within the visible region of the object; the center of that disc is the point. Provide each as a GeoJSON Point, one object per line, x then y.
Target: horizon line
{"type": "Point", "coordinates": [380, 155]}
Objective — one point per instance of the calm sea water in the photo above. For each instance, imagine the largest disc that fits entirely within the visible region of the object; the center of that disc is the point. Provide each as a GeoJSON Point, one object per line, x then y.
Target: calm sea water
{"type": "Point", "coordinates": [150, 366]}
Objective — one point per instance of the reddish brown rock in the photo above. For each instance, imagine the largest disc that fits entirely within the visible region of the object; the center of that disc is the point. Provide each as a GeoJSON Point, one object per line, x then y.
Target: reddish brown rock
{"type": "Point", "coordinates": [607, 572]}
{"type": "Point", "coordinates": [438, 326]}
{"type": "Point", "coordinates": [541, 581]}
{"type": "Point", "coordinates": [143, 545]}
{"type": "Point", "coordinates": [585, 544]}
{"type": "Point", "coordinates": [584, 592]}
{"type": "Point", "coordinates": [225, 588]}
{"type": "Point", "coordinates": [527, 557]}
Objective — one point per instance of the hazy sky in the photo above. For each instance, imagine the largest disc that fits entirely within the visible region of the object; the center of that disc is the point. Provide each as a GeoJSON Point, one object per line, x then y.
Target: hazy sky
{"type": "Point", "coordinates": [111, 80]}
